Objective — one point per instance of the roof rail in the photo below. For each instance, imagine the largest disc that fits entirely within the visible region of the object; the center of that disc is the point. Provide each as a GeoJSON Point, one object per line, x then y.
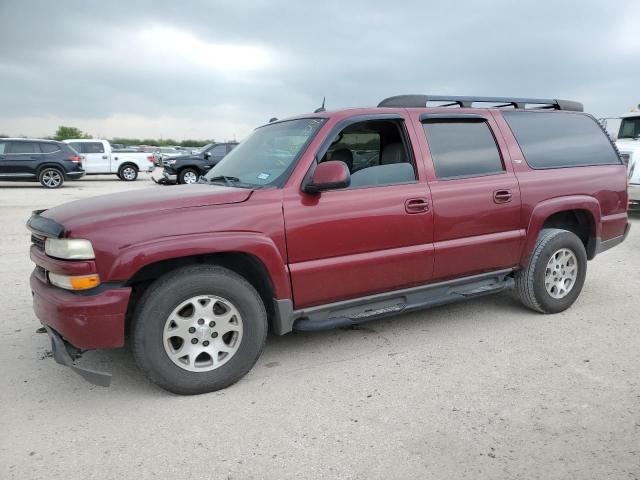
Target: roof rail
{"type": "Point", "coordinates": [420, 101]}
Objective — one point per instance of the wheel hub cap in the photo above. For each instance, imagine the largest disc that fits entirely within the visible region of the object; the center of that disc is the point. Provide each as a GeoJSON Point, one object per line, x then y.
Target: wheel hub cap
{"type": "Point", "coordinates": [561, 273]}
{"type": "Point", "coordinates": [202, 333]}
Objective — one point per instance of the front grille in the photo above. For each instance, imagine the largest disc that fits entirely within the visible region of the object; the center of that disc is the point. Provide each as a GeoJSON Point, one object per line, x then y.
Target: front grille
{"type": "Point", "coordinates": [38, 241]}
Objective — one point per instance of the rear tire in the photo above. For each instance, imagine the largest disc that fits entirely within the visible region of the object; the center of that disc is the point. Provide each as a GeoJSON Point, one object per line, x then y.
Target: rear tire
{"type": "Point", "coordinates": [180, 353]}
{"type": "Point", "coordinates": [554, 277]}
{"type": "Point", "coordinates": [188, 176]}
{"type": "Point", "coordinates": [128, 173]}
{"type": "Point", "coordinates": [51, 177]}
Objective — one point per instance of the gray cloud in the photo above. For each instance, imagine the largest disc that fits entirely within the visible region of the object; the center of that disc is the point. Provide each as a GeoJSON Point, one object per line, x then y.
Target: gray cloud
{"type": "Point", "coordinates": [219, 68]}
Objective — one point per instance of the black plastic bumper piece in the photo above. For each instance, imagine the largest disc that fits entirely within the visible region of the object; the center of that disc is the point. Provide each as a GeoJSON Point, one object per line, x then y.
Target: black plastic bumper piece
{"type": "Point", "coordinates": [63, 357]}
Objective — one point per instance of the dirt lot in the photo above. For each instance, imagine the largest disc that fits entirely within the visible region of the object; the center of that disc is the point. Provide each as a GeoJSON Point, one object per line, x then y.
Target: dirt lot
{"type": "Point", "coordinates": [483, 389]}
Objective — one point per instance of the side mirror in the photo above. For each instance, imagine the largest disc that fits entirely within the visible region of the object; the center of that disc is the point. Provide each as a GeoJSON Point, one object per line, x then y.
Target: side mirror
{"type": "Point", "coordinates": [207, 155]}
{"type": "Point", "coordinates": [329, 175]}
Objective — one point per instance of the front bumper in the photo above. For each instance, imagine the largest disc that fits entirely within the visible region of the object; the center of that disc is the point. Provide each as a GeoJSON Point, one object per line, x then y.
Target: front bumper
{"type": "Point", "coordinates": [87, 321]}
{"type": "Point", "coordinates": [65, 354]}
{"type": "Point", "coordinates": [634, 196]}
{"type": "Point", "coordinates": [160, 175]}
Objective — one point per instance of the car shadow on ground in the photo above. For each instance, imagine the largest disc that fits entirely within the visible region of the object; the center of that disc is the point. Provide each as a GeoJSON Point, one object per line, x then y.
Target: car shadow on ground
{"type": "Point", "coordinates": [284, 351]}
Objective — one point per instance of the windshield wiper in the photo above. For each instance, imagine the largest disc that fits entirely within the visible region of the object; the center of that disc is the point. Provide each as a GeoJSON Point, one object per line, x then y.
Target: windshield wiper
{"type": "Point", "coordinates": [229, 181]}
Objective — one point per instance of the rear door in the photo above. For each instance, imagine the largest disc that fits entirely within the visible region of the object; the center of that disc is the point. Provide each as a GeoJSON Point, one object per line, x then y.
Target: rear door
{"type": "Point", "coordinates": [476, 197]}
{"type": "Point", "coordinates": [96, 158]}
{"type": "Point", "coordinates": [21, 158]}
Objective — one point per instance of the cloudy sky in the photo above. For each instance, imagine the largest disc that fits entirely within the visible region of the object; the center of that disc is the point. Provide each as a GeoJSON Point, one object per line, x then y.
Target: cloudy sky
{"type": "Point", "coordinates": [216, 69]}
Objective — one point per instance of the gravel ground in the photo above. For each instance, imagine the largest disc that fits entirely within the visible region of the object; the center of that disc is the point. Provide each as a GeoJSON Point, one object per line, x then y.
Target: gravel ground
{"type": "Point", "coordinates": [482, 389]}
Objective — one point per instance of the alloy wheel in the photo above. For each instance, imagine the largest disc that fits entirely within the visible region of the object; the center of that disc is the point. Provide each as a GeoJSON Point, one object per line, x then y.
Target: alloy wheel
{"type": "Point", "coordinates": [202, 333]}
{"type": "Point", "coordinates": [561, 273]}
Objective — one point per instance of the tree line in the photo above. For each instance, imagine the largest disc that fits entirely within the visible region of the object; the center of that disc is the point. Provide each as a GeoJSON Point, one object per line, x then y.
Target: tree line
{"type": "Point", "coordinates": [64, 133]}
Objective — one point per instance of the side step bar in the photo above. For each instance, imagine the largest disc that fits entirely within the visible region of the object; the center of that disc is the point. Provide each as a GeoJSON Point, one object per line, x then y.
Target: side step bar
{"type": "Point", "coordinates": [351, 312]}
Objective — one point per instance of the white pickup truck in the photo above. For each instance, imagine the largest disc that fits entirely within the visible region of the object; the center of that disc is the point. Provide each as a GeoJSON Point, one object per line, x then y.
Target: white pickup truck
{"type": "Point", "coordinates": [628, 143]}
{"type": "Point", "coordinates": [100, 158]}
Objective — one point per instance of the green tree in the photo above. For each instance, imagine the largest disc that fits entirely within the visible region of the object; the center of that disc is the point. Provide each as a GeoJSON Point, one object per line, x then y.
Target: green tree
{"type": "Point", "coordinates": [64, 133]}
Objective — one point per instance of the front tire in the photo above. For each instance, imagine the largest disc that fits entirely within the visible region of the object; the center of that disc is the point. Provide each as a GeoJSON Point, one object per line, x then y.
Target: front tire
{"type": "Point", "coordinates": [188, 176]}
{"type": "Point", "coordinates": [555, 274]}
{"type": "Point", "coordinates": [128, 173]}
{"type": "Point", "coordinates": [51, 177]}
{"type": "Point", "coordinates": [199, 329]}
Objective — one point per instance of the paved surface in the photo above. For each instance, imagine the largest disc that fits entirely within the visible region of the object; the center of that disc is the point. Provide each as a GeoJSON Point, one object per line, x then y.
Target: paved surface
{"type": "Point", "coordinates": [484, 389]}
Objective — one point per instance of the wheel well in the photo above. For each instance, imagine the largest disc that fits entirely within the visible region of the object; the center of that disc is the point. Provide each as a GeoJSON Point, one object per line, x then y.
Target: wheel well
{"type": "Point", "coordinates": [128, 164]}
{"type": "Point", "coordinates": [50, 165]}
{"type": "Point", "coordinates": [245, 265]}
{"type": "Point", "coordinates": [577, 221]}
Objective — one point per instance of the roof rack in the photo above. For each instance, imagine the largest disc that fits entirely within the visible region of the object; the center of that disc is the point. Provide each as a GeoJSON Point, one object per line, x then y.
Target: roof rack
{"type": "Point", "coordinates": [421, 101]}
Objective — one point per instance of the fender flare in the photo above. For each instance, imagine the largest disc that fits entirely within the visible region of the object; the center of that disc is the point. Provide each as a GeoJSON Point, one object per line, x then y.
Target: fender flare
{"type": "Point", "coordinates": [133, 258]}
{"type": "Point", "coordinates": [546, 208]}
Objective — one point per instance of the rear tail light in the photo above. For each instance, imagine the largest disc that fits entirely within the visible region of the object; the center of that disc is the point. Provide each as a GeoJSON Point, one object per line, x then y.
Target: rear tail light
{"type": "Point", "coordinates": [75, 158]}
{"type": "Point", "coordinates": [150, 158]}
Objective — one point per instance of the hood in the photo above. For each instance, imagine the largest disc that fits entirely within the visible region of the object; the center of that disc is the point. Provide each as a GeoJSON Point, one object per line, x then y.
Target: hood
{"type": "Point", "coordinates": [147, 201]}
{"type": "Point", "coordinates": [185, 157]}
{"type": "Point", "coordinates": [628, 144]}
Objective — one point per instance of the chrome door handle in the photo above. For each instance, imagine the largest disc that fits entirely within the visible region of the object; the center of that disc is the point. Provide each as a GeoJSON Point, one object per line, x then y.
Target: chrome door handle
{"type": "Point", "coordinates": [502, 196]}
{"type": "Point", "coordinates": [416, 205]}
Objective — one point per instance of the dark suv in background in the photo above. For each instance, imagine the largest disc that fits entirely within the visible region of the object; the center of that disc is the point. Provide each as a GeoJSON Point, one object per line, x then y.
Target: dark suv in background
{"type": "Point", "coordinates": [45, 161]}
{"type": "Point", "coordinates": [187, 169]}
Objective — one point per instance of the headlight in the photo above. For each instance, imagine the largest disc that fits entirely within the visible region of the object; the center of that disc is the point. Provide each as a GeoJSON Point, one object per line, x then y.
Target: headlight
{"type": "Point", "coordinates": [69, 248]}
{"type": "Point", "coordinates": [169, 162]}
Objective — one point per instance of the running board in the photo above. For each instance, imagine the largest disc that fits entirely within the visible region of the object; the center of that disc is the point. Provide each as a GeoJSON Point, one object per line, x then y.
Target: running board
{"type": "Point", "coordinates": [351, 312]}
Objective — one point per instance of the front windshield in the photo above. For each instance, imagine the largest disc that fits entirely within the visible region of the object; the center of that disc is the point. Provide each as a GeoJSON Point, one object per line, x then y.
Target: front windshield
{"type": "Point", "coordinates": [630, 128]}
{"type": "Point", "coordinates": [267, 155]}
{"type": "Point", "coordinates": [200, 150]}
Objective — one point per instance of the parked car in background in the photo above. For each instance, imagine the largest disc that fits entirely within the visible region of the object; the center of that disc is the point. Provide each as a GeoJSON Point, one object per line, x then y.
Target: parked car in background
{"type": "Point", "coordinates": [288, 233]}
{"type": "Point", "coordinates": [162, 153]}
{"type": "Point", "coordinates": [187, 169]}
{"type": "Point", "coordinates": [99, 159]}
{"type": "Point", "coordinates": [46, 161]}
{"type": "Point", "coordinates": [628, 143]}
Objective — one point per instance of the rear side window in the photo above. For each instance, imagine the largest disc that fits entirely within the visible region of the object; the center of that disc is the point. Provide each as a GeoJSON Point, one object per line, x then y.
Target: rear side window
{"type": "Point", "coordinates": [92, 147]}
{"type": "Point", "coordinates": [461, 149]}
{"type": "Point", "coordinates": [49, 147]}
{"type": "Point", "coordinates": [556, 140]}
{"type": "Point", "coordinates": [77, 146]}
{"type": "Point", "coordinates": [23, 147]}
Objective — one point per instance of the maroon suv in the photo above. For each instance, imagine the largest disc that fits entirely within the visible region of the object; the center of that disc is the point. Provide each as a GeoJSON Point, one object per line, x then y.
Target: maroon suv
{"type": "Point", "coordinates": [330, 219]}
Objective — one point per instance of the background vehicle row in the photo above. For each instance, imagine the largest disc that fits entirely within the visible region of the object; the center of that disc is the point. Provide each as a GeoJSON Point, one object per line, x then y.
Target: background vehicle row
{"type": "Point", "coordinates": [46, 161]}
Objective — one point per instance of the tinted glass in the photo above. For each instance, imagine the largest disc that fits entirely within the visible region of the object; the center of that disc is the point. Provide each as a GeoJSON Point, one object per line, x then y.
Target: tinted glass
{"type": "Point", "coordinates": [629, 128]}
{"type": "Point", "coordinates": [23, 147]}
{"type": "Point", "coordinates": [2, 147]}
{"type": "Point", "coordinates": [92, 147]}
{"type": "Point", "coordinates": [218, 150]}
{"type": "Point", "coordinates": [462, 149]}
{"type": "Point", "coordinates": [267, 155]}
{"type": "Point", "coordinates": [553, 140]}
{"type": "Point", "coordinates": [77, 146]}
{"type": "Point", "coordinates": [49, 147]}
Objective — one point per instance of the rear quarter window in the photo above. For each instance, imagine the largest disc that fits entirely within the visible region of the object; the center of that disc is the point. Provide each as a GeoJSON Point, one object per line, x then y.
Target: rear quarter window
{"type": "Point", "coordinates": [557, 140]}
{"type": "Point", "coordinates": [49, 147]}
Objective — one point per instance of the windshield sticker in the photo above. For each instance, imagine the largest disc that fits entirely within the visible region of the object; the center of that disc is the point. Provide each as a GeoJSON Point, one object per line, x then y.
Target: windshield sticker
{"type": "Point", "coordinates": [263, 176]}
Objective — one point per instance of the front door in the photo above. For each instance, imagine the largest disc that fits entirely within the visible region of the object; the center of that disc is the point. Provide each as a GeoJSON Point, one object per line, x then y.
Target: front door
{"type": "Point", "coordinates": [372, 237]}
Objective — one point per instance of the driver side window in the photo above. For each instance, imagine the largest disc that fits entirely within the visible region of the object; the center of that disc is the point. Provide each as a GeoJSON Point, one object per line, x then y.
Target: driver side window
{"type": "Point", "coordinates": [375, 153]}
